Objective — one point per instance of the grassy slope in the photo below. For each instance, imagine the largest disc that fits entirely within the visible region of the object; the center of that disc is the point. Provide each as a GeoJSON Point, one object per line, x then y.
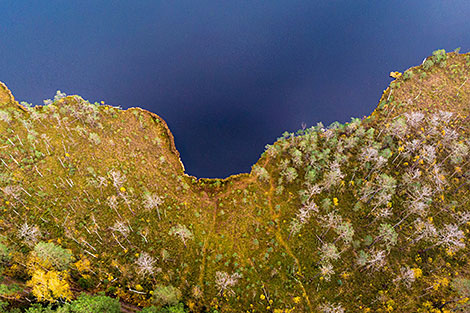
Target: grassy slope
{"type": "Point", "coordinates": [243, 224]}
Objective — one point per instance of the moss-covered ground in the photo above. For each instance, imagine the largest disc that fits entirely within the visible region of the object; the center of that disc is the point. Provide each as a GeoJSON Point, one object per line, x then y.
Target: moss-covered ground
{"type": "Point", "coordinates": [369, 216]}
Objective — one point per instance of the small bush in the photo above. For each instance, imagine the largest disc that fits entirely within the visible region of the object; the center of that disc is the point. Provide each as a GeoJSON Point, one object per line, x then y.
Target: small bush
{"type": "Point", "coordinates": [179, 308]}
{"type": "Point", "coordinates": [95, 304]}
{"type": "Point", "coordinates": [440, 57]}
{"type": "Point", "coordinates": [166, 295]}
{"type": "Point", "coordinates": [86, 283]}
{"type": "Point", "coordinates": [428, 64]}
{"type": "Point", "coordinates": [37, 308]}
{"type": "Point", "coordinates": [462, 286]}
{"type": "Point", "coordinates": [407, 75]}
{"type": "Point", "coordinates": [54, 255]}
{"type": "Point", "coordinates": [95, 138]}
{"type": "Point", "coordinates": [8, 290]}
{"type": "Point", "coordinates": [4, 253]}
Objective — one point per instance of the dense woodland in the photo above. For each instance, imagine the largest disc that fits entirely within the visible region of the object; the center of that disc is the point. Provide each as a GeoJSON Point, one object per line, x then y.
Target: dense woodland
{"type": "Point", "coordinates": [98, 215]}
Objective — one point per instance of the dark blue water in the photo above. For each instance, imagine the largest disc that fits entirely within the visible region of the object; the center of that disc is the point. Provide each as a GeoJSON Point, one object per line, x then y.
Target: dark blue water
{"type": "Point", "coordinates": [228, 76]}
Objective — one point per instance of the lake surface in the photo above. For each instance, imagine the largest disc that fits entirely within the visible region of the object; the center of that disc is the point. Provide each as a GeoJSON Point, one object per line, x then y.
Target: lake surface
{"type": "Point", "coordinates": [228, 78]}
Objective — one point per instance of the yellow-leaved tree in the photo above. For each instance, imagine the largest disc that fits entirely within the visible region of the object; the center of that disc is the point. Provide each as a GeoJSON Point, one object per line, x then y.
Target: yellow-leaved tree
{"type": "Point", "coordinates": [48, 286]}
{"type": "Point", "coordinates": [48, 266]}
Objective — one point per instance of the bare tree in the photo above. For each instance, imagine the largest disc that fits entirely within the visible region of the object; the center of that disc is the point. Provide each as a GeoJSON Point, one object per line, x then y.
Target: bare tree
{"type": "Point", "coordinates": [329, 252]}
{"type": "Point", "coordinates": [121, 228]}
{"type": "Point", "coordinates": [145, 264]}
{"type": "Point", "coordinates": [379, 191]}
{"type": "Point", "coordinates": [424, 230]}
{"type": "Point", "coordinates": [398, 128]}
{"type": "Point", "coordinates": [412, 147]}
{"type": "Point", "coordinates": [311, 191]}
{"type": "Point", "coordinates": [152, 201]}
{"type": "Point", "coordinates": [439, 177]}
{"type": "Point", "coordinates": [462, 217]}
{"type": "Point", "coordinates": [452, 237]}
{"type": "Point", "coordinates": [113, 203]}
{"type": "Point", "coordinates": [290, 174]}
{"type": "Point", "coordinates": [30, 234]}
{"type": "Point", "coordinates": [331, 308]}
{"type": "Point", "coordinates": [12, 191]}
{"type": "Point", "coordinates": [261, 173]}
{"type": "Point", "coordinates": [388, 234]}
{"type": "Point", "coordinates": [326, 270]}
{"type": "Point", "coordinates": [376, 260]}
{"type": "Point", "coordinates": [345, 231]}
{"type": "Point", "coordinates": [224, 281]}
{"type": "Point", "coordinates": [333, 176]}
{"type": "Point", "coordinates": [420, 198]}
{"type": "Point", "coordinates": [302, 217]}
{"type": "Point", "coordinates": [5, 116]}
{"type": "Point", "coordinates": [182, 231]}
{"type": "Point", "coordinates": [117, 178]}
{"type": "Point", "coordinates": [101, 181]}
{"type": "Point", "coordinates": [428, 153]}
{"type": "Point", "coordinates": [406, 276]}
{"type": "Point", "coordinates": [414, 119]}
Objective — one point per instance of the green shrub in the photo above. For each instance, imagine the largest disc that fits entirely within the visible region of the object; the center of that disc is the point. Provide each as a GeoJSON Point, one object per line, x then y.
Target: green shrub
{"type": "Point", "coordinates": [179, 308]}
{"type": "Point", "coordinates": [440, 57]}
{"type": "Point", "coordinates": [37, 308]}
{"type": "Point", "coordinates": [86, 283]}
{"type": "Point", "coordinates": [57, 256]}
{"type": "Point", "coordinates": [8, 290]}
{"type": "Point", "coordinates": [96, 304]}
{"type": "Point", "coordinates": [407, 75]}
{"type": "Point", "coordinates": [95, 138]}
{"type": "Point", "coordinates": [428, 64]}
{"type": "Point", "coordinates": [4, 253]}
{"type": "Point", "coordinates": [166, 295]}
{"type": "Point", "coordinates": [4, 306]}
{"type": "Point", "coordinates": [462, 286]}
{"type": "Point", "coordinates": [150, 309]}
